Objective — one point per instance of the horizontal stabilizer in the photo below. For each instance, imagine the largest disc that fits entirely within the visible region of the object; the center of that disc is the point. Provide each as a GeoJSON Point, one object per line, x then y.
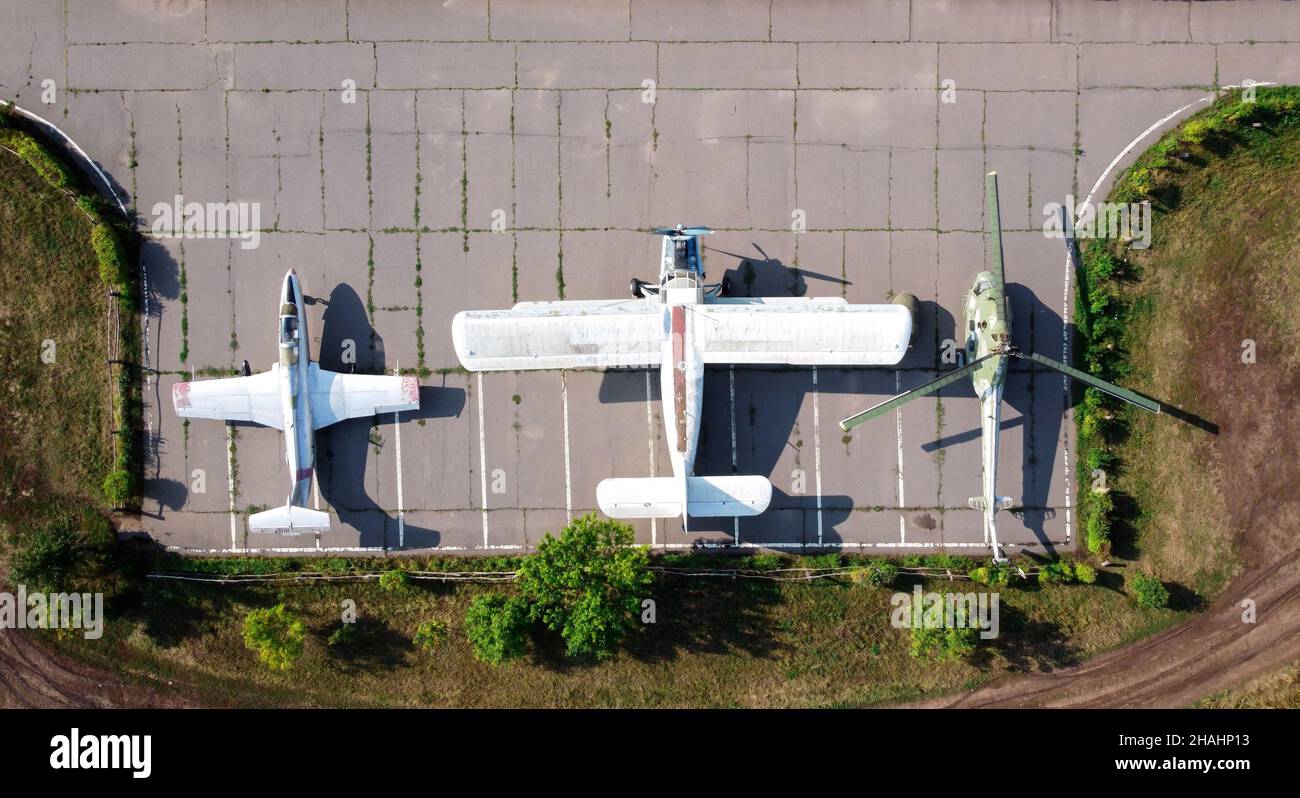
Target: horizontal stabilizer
{"type": "Point", "coordinates": [977, 502]}
{"type": "Point", "coordinates": [640, 497]}
{"type": "Point", "coordinates": [661, 497]}
{"type": "Point", "coordinates": [290, 519]}
{"type": "Point", "coordinates": [727, 496]}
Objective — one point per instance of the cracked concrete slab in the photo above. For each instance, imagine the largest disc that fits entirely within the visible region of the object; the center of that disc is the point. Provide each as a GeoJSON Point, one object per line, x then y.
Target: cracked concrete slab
{"type": "Point", "coordinates": [491, 155]}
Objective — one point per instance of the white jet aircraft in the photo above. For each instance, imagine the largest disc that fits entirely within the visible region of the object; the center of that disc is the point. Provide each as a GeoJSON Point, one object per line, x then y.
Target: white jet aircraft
{"type": "Point", "coordinates": [297, 397]}
{"type": "Point", "coordinates": [680, 326]}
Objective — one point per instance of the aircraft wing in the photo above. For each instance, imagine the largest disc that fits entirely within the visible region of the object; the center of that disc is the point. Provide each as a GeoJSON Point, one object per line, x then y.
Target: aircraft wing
{"type": "Point", "coordinates": [813, 332]}
{"type": "Point", "coordinates": [560, 335]}
{"type": "Point", "coordinates": [336, 397]}
{"type": "Point", "coordinates": [255, 398]}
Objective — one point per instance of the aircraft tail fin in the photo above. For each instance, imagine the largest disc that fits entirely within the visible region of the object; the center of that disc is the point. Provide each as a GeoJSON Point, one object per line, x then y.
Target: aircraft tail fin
{"type": "Point", "coordinates": [1000, 503]}
{"type": "Point", "coordinates": [661, 497]}
{"type": "Point", "coordinates": [289, 519]}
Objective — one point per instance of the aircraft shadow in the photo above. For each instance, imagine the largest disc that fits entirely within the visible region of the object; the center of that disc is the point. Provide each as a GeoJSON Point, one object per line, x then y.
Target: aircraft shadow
{"type": "Point", "coordinates": [342, 450]}
{"type": "Point", "coordinates": [768, 404]}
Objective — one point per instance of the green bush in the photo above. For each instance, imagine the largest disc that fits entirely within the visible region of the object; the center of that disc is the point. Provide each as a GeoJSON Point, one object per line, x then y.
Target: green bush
{"type": "Point", "coordinates": [394, 581]}
{"type": "Point", "coordinates": [1085, 573]}
{"type": "Point", "coordinates": [276, 636]}
{"type": "Point", "coordinates": [1056, 573]}
{"type": "Point", "coordinates": [110, 256]}
{"type": "Point", "coordinates": [46, 165]}
{"type": "Point", "coordinates": [767, 561]}
{"type": "Point", "coordinates": [119, 488]}
{"type": "Point", "coordinates": [1148, 591]}
{"type": "Point", "coordinates": [429, 635]}
{"type": "Point", "coordinates": [945, 643]}
{"type": "Point", "coordinates": [821, 561]}
{"type": "Point", "coordinates": [587, 584]}
{"type": "Point", "coordinates": [495, 627]}
{"type": "Point", "coordinates": [880, 573]}
{"type": "Point", "coordinates": [1098, 530]}
{"type": "Point", "coordinates": [996, 575]}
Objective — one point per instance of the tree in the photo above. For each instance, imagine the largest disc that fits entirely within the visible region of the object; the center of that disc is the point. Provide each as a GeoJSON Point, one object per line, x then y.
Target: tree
{"type": "Point", "coordinates": [1085, 573]}
{"type": "Point", "coordinates": [1148, 591]}
{"type": "Point", "coordinates": [588, 584]}
{"type": "Point", "coordinates": [46, 558]}
{"type": "Point", "coordinates": [56, 555]}
{"type": "Point", "coordinates": [495, 626]}
{"type": "Point", "coordinates": [276, 635]}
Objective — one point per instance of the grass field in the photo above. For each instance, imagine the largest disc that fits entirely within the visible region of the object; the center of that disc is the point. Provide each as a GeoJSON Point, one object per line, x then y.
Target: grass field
{"type": "Point", "coordinates": [1224, 212]}
{"type": "Point", "coordinates": [55, 428]}
{"type": "Point", "coordinates": [1220, 278]}
{"type": "Point", "coordinates": [715, 643]}
{"type": "Point", "coordinates": [1275, 691]}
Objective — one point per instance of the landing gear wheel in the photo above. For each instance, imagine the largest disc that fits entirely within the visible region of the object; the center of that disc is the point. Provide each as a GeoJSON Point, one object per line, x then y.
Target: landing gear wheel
{"type": "Point", "coordinates": [247, 370]}
{"type": "Point", "coordinates": [724, 288]}
{"type": "Point", "coordinates": [635, 286]}
{"type": "Point", "coordinates": [909, 301]}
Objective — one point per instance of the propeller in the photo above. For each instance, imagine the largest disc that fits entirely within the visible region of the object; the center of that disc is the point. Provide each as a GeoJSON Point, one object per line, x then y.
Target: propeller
{"type": "Point", "coordinates": [995, 238]}
{"type": "Point", "coordinates": [916, 393]}
{"type": "Point", "coordinates": [681, 231]}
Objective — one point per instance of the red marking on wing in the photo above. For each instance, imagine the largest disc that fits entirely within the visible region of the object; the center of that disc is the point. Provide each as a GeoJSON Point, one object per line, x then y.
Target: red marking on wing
{"type": "Point", "coordinates": [411, 389]}
{"type": "Point", "coordinates": [679, 374]}
{"type": "Point", "coordinates": [181, 395]}
{"type": "Point", "coordinates": [303, 474]}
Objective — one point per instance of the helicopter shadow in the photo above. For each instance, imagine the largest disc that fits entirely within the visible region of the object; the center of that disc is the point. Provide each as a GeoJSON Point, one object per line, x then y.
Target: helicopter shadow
{"type": "Point", "coordinates": [343, 449]}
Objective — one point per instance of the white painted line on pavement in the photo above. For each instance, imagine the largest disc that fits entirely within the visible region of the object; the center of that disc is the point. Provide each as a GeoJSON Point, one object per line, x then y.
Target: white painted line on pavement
{"type": "Point", "coordinates": [654, 456]}
{"type": "Point", "coordinates": [817, 453]}
{"type": "Point", "coordinates": [401, 510]}
{"type": "Point", "coordinates": [898, 430]}
{"type": "Point", "coordinates": [735, 522]}
{"type": "Point", "coordinates": [482, 459]}
{"type": "Point", "coordinates": [230, 482]}
{"type": "Point", "coordinates": [568, 481]}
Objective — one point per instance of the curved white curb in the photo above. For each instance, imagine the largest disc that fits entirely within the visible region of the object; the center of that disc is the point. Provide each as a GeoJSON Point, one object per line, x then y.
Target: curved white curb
{"type": "Point", "coordinates": [72, 145]}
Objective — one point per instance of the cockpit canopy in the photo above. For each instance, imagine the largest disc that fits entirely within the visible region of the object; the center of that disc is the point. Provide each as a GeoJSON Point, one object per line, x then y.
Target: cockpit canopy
{"type": "Point", "coordinates": [289, 331]}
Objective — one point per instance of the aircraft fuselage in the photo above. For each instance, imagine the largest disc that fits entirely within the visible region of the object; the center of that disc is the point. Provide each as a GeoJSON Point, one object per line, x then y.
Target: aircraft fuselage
{"type": "Point", "coordinates": [295, 394]}
{"type": "Point", "coordinates": [988, 334]}
{"type": "Point", "coordinates": [681, 372]}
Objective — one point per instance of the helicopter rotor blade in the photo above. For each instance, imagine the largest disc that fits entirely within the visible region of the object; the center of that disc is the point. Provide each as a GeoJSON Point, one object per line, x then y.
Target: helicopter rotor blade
{"type": "Point", "coordinates": [995, 238]}
{"type": "Point", "coordinates": [1132, 397]}
{"type": "Point", "coordinates": [916, 393]}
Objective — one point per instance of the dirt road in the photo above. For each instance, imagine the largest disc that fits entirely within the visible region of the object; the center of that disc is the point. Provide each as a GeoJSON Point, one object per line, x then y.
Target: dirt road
{"type": "Point", "coordinates": [31, 676]}
{"type": "Point", "coordinates": [1175, 668]}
